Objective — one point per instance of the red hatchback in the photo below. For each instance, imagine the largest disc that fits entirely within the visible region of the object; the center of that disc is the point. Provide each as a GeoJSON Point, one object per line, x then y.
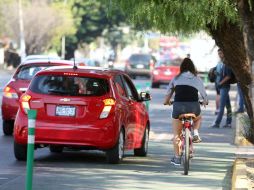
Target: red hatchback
{"type": "Point", "coordinates": [18, 85]}
{"type": "Point", "coordinates": [164, 72]}
{"type": "Point", "coordinates": [84, 108]}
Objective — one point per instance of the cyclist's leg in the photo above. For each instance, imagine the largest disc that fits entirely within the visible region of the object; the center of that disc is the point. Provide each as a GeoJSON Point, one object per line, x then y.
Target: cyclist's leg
{"type": "Point", "coordinates": [177, 130]}
{"type": "Point", "coordinates": [197, 124]}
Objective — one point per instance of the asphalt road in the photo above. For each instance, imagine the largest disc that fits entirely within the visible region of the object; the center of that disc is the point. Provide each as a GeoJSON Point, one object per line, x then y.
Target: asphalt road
{"type": "Point", "coordinates": [210, 168]}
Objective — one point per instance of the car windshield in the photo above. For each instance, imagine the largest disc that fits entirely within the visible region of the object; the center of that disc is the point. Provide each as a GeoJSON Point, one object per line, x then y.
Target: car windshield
{"type": "Point", "coordinates": [140, 57]}
{"type": "Point", "coordinates": [168, 63]}
{"type": "Point", "coordinates": [27, 72]}
{"type": "Point", "coordinates": [69, 85]}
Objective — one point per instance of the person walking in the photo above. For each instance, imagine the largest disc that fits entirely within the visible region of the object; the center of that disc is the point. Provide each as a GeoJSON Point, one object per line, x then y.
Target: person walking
{"type": "Point", "coordinates": [185, 86]}
{"type": "Point", "coordinates": [224, 87]}
{"type": "Point", "coordinates": [217, 81]}
{"type": "Point", "coordinates": [240, 99]}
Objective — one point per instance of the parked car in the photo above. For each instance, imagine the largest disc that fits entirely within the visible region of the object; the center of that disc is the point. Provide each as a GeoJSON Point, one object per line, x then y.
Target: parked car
{"type": "Point", "coordinates": [164, 72]}
{"type": "Point", "coordinates": [84, 108]}
{"type": "Point", "coordinates": [18, 85]}
{"type": "Point", "coordinates": [140, 65]}
{"type": "Point", "coordinates": [41, 57]}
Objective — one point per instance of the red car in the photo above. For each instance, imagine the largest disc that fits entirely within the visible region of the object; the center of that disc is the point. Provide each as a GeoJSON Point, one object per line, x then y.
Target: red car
{"type": "Point", "coordinates": [164, 72]}
{"type": "Point", "coordinates": [84, 108]}
{"type": "Point", "coordinates": [18, 85]}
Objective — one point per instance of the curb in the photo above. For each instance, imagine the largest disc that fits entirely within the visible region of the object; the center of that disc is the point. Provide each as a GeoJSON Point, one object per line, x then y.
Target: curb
{"type": "Point", "coordinates": [240, 180]}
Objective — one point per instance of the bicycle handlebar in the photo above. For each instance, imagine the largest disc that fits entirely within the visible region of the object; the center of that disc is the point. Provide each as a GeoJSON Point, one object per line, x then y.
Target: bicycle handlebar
{"type": "Point", "coordinates": [201, 102]}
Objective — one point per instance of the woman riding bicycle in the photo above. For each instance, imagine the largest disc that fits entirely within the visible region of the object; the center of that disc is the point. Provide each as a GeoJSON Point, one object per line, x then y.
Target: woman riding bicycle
{"type": "Point", "coordinates": [186, 86]}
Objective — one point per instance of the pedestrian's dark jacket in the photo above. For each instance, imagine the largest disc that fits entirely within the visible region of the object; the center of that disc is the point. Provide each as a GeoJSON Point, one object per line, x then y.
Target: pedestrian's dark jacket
{"type": "Point", "coordinates": [226, 71]}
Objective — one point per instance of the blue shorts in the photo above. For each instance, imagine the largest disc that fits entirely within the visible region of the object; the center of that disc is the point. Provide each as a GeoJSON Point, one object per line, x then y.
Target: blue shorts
{"type": "Point", "coordinates": [185, 107]}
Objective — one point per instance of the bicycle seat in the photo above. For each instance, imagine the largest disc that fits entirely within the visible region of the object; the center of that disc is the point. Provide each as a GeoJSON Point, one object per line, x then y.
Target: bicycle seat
{"type": "Point", "coordinates": [187, 115]}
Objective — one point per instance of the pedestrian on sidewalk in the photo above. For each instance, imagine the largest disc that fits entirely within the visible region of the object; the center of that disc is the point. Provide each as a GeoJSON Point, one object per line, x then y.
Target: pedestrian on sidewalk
{"type": "Point", "coordinates": [224, 87]}
{"type": "Point", "coordinates": [240, 99]}
{"type": "Point", "coordinates": [217, 81]}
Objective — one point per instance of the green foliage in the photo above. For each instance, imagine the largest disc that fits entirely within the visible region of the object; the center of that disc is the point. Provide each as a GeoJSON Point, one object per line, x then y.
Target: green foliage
{"type": "Point", "coordinates": [67, 26]}
{"type": "Point", "coordinates": [177, 15]}
{"type": "Point", "coordinates": [91, 20]}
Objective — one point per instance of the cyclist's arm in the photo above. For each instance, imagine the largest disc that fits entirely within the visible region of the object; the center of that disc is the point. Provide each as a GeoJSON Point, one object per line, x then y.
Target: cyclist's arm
{"type": "Point", "coordinates": [170, 92]}
{"type": "Point", "coordinates": [202, 91]}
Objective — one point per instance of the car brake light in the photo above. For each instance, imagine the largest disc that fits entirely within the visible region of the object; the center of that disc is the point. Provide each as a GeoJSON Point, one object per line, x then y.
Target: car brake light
{"type": "Point", "coordinates": [108, 103]}
{"type": "Point", "coordinates": [10, 93]}
{"type": "Point", "coordinates": [25, 102]}
{"type": "Point", "coordinates": [151, 65]}
{"type": "Point", "coordinates": [155, 72]}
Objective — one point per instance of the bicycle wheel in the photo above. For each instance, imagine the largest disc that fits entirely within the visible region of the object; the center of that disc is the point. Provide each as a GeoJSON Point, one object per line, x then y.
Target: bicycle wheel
{"type": "Point", "coordinates": [186, 155]}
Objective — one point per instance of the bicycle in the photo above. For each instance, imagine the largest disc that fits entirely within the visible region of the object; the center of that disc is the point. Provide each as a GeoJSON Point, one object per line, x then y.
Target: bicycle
{"type": "Point", "coordinates": [187, 148]}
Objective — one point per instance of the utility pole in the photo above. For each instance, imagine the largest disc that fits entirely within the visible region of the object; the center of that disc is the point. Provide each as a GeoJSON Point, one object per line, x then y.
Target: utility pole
{"type": "Point", "coordinates": [63, 38]}
{"type": "Point", "coordinates": [21, 30]}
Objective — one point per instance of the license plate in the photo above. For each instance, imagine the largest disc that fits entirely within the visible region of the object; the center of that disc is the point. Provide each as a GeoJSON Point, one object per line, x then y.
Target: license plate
{"type": "Point", "coordinates": [65, 111]}
{"type": "Point", "coordinates": [139, 66]}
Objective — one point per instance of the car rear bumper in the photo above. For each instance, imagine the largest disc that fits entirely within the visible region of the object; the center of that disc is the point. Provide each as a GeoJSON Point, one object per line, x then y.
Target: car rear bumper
{"type": "Point", "coordinates": [102, 134]}
{"type": "Point", "coordinates": [9, 108]}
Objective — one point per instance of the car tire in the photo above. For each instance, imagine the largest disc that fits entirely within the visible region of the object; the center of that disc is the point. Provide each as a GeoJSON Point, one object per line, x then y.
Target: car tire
{"type": "Point", "coordinates": [20, 151]}
{"type": "Point", "coordinates": [142, 151]}
{"type": "Point", "coordinates": [115, 155]}
{"type": "Point", "coordinates": [56, 149]}
{"type": "Point", "coordinates": [155, 85]}
{"type": "Point", "coordinates": [8, 127]}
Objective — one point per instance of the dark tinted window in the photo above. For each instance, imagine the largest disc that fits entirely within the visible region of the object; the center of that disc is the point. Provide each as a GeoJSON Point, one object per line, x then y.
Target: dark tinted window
{"type": "Point", "coordinates": [167, 62]}
{"type": "Point", "coordinates": [69, 85]}
{"type": "Point", "coordinates": [140, 57]}
{"type": "Point", "coordinates": [119, 85]}
{"type": "Point", "coordinates": [27, 72]}
{"type": "Point", "coordinates": [131, 89]}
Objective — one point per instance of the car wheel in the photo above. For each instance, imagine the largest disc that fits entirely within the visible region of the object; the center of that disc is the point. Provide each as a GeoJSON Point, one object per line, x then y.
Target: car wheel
{"type": "Point", "coordinates": [142, 151]}
{"type": "Point", "coordinates": [20, 151]}
{"type": "Point", "coordinates": [115, 155]}
{"type": "Point", "coordinates": [56, 149]}
{"type": "Point", "coordinates": [155, 85]}
{"type": "Point", "coordinates": [8, 127]}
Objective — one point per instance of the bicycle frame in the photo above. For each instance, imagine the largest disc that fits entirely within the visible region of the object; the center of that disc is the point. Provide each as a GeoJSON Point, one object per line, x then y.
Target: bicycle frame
{"type": "Point", "coordinates": [186, 142]}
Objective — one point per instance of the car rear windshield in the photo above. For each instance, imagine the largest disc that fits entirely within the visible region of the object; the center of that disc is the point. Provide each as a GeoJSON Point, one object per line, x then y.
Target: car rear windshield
{"type": "Point", "coordinates": [175, 62]}
{"type": "Point", "coordinates": [140, 57]}
{"type": "Point", "coordinates": [69, 85]}
{"type": "Point", "coordinates": [27, 72]}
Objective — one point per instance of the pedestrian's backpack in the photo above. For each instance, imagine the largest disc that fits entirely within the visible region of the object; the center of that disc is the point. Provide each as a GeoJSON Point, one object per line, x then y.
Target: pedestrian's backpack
{"type": "Point", "coordinates": [211, 74]}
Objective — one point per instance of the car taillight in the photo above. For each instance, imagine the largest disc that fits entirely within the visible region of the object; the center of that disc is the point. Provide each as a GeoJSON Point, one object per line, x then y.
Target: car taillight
{"type": "Point", "coordinates": [155, 72]}
{"type": "Point", "coordinates": [108, 103]}
{"type": "Point", "coordinates": [10, 93]}
{"type": "Point", "coordinates": [151, 65]}
{"type": "Point", "coordinates": [24, 100]}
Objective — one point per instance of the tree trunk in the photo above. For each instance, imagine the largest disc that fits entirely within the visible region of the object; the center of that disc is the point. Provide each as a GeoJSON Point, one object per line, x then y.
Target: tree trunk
{"type": "Point", "coordinates": [247, 17]}
{"type": "Point", "coordinates": [229, 38]}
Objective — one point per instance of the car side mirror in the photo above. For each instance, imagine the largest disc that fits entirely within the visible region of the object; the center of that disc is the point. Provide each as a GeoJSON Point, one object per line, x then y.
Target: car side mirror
{"type": "Point", "coordinates": [145, 96]}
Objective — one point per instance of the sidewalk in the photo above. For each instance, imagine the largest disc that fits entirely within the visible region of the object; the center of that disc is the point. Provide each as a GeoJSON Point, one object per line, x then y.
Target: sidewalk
{"type": "Point", "coordinates": [243, 168]}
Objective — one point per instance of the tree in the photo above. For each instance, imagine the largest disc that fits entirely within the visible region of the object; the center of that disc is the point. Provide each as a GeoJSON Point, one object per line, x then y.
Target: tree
{"type": "Point", "coordinates": [44, 24]}
{"type": "Point", "coordinates": [229, 22]}
{"type": "Point", "coordinates": [91, 20]}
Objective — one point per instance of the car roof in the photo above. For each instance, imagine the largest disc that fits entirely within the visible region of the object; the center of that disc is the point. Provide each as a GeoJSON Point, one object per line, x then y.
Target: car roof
{"type": "Point", "coordinates": [35, 57]}
{"type": "Point", "coordinates": [82, 70]}
{"type": "Point", "coordinates": [41, 61]}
